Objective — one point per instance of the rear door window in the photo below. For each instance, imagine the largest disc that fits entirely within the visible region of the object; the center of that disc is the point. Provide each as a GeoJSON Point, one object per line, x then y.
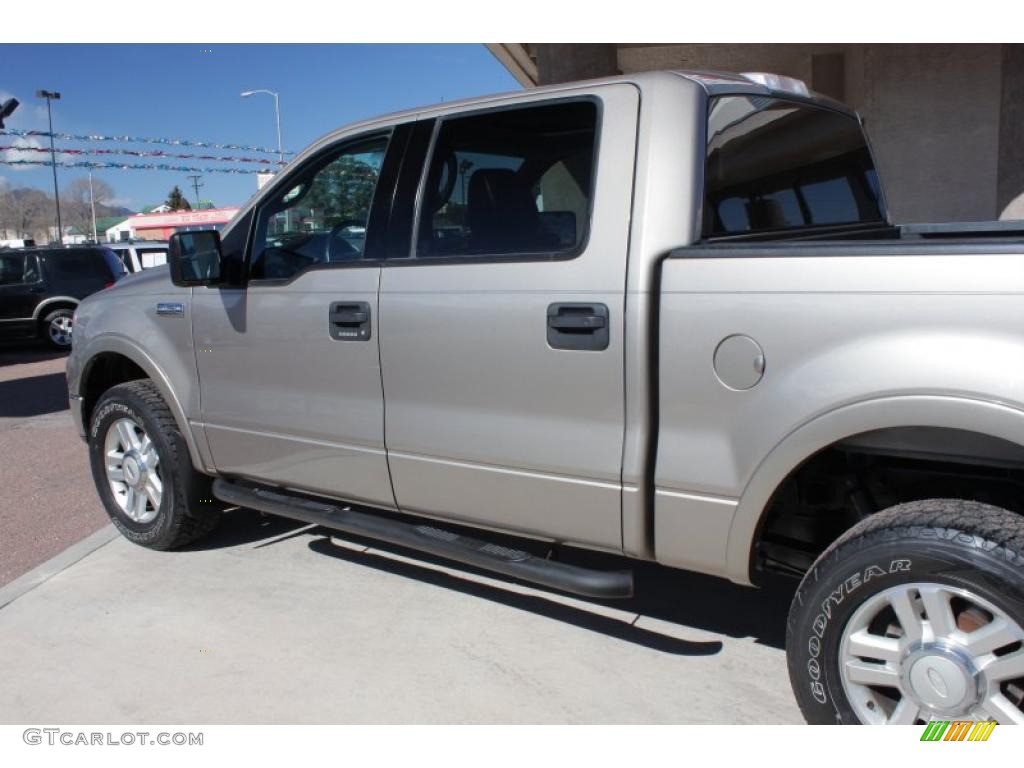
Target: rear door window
{"type": "Point", "coordinates": [510, 182]}
{"type": "Point", "coordinates": [18, 269]}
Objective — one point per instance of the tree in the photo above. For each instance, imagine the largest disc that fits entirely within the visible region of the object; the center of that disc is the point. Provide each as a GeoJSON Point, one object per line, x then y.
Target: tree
{"type": "Point", "coordinates": [341, 192]}
{"type": "Point", "coordinates": [176, 200]}
{"type": "Point", "coordinates": [25, 212]}
{"type": "Point", "coordinates": [76, 202]}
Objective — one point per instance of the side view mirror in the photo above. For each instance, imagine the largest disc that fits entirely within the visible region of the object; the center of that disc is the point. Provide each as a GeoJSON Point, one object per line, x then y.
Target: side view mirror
{"type": "Point", "coordinates": [195, 258]}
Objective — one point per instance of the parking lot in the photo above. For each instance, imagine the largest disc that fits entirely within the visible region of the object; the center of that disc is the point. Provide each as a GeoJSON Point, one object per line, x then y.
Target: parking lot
{"type": "Point", "coordinates": [46, 499]}
{"type": "Point", "coordinates": [268, 621]}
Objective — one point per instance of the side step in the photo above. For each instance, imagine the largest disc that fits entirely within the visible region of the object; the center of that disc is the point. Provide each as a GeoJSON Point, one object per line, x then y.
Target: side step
{"type": "Point", "coordinates": [435, 541]}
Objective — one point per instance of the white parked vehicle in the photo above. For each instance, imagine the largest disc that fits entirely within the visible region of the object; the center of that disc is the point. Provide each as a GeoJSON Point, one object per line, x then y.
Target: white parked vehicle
{"type": "Point", "coordinates": [140, 255]}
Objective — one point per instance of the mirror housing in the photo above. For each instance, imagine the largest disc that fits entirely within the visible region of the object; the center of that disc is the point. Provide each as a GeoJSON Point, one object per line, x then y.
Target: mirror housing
{"type": "Point", "coordinates": [195, 258]}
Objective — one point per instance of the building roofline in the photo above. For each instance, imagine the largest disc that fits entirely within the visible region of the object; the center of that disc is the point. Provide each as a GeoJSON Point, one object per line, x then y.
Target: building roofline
{"type": "Point", "coordinates": [517, 61]}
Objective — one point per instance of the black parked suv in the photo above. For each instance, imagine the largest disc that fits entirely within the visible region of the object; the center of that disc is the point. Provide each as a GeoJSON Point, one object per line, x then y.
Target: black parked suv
{"type": "Point", "coordinates": [40, 288]}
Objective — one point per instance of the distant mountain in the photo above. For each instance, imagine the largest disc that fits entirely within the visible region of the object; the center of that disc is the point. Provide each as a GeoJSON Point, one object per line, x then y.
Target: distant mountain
{"type": "Point", "coordinates": [118, 211]}
{"type": "Point", "coordinates": [21, 194]}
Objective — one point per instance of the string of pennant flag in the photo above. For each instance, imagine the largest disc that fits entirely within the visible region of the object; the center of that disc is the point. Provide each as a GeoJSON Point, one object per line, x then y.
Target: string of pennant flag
{"type": "Point", "coordinates": [138, 140]}
{"type": "Point", "coordinates": [144, 153]}
{"type": "Point", "coordinates": [97, 164]}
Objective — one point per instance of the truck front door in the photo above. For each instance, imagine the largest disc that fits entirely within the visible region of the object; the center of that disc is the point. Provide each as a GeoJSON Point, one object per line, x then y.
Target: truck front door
{"type": "Point", "coordinates": [288, 365]}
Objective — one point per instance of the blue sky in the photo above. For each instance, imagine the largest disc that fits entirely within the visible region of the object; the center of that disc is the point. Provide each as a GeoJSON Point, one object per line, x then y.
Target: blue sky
{"type": "Point", "coordinates": [185, 92]}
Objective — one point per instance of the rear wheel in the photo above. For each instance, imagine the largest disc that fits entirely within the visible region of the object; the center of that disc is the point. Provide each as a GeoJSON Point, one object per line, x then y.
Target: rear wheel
{"type": "Point", "coordinates": [143, 472]}
{"type": "Point", "coordinates": [915, 614]}
{"type": "Point", "coordinates": [56, 328]}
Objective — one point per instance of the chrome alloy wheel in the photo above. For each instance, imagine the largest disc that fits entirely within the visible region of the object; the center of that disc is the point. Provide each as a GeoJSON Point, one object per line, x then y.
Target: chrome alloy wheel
{"type": "Point", "coordinates": [920, 652]}
{"type": "Point", "coordinates": [60, 331]}
{"type": "Point", "coordinates": [133, 470]}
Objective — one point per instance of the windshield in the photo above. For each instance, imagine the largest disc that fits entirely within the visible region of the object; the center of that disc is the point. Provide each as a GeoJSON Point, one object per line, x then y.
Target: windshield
{"type": "Point", "coordinates": [777, 165]}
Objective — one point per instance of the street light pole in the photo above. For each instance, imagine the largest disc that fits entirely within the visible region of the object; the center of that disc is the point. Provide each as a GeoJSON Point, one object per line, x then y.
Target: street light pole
{"type": "Point", "coordinates": [280, 144]}
{"type": "Point", "coordinates": [277, 117]}
{"type": "Point", "coordinates": [53, 96]}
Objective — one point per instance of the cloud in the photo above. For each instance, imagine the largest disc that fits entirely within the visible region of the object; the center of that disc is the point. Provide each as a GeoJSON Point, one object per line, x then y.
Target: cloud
{"type": "Point", "coordinates": [11, 155]}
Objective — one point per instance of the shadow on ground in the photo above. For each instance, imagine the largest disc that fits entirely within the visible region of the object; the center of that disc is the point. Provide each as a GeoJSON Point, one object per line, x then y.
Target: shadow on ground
{"type": "Point", "coordinates": [18, 353]}
{"type": "Point", "coordinates": [667, 594]}
{"type": "Point", "coordinates": [33, 396]}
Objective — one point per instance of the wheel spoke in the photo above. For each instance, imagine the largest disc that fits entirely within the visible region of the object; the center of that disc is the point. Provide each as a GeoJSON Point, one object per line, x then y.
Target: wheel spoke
{"type": "Point", "coordinates": [865, 673]}
{"type": "Point", "coordinates": [907, 615]}
{"type": "Point", "coordinates": [906, 713]}
{"type": "Point", "coordinates": [126, 433]}
{"type": "Point", "coordinates": [992, 637]}
{"type": "Point", "coordinates": [129, 502]}
{"type": "Point", "coordinates": [1006, 667]}
{"type": "Point", "coordinates": [115, 470]}
{"type": "Point", "coordinates": [938, 611]}
{"type": "Point", "coordinates": [154, 490]}
{"type": "Point", "coordinates": [140, 505]}
{"type": "Point", "coordinates": [1002, 710]}
{"type": "Point", "coordinates": [866, 645]}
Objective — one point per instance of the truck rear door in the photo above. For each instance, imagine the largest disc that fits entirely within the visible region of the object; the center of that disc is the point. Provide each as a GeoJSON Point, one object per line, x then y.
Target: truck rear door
{"type": "Point", "coordinates": [501, 332]}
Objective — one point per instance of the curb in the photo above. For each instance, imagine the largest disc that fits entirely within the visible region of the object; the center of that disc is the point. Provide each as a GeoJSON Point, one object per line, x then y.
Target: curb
{"type": "Point", "coordinates": [42, 573]}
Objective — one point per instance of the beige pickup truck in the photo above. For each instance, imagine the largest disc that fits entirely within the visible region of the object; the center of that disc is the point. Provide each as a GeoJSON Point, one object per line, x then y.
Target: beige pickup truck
{"type": "Point", "coordinates": [664, 315]}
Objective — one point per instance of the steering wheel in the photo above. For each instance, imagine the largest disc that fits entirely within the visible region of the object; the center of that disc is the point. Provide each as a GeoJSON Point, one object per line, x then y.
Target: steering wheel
{"type": "Point", "coordinates": [449, 174]}
{"type": "Point", "coordinates": [336, 230]}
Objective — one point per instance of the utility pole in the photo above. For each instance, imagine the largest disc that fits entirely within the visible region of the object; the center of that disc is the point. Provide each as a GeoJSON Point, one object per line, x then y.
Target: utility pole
{"type": "Point", "coordinates": [53, 96]}
{"type": "Point", "coordinates": [92, 204]}
{"type": "Point", "coordinates": [196, 185]}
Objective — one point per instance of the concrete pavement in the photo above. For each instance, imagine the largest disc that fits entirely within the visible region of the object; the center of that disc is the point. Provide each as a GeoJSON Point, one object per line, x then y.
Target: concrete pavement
{"type": "Point", "coordinates": [267, 622]}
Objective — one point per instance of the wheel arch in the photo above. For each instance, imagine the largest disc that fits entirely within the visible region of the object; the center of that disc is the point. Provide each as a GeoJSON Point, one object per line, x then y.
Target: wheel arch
{"type": "Point", "coordinates": [980, 417]}
{"type": "Point", "coordinates": [120, 351]}
{"type": "Point", "coordinates": [54, 302]}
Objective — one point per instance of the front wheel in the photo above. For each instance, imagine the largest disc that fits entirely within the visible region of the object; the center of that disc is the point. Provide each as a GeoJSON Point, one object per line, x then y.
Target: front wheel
{"type": "Point", "coordinates": [142, 470]}
{"type": "Point", "coordinates": [915, 614]}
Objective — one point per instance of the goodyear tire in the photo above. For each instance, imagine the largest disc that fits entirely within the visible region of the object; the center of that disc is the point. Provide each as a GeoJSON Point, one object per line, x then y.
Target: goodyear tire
{"type": "Point", "coordinates": [915, 614]}
{"type": "Point", "coordinates": [142, 470]}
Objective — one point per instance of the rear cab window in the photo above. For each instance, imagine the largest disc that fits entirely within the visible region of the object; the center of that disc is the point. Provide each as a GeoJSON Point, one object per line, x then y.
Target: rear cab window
{"type": "Point", "coordinates": [151, 257]}
{"type": "Point", "coordinates": [94, 265]}
{"type": "Point", "coordinates": [777, 165]}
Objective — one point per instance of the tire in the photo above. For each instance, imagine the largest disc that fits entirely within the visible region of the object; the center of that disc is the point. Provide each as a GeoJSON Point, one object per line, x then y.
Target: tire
{"type": "Point", "coordinates": [176, 509]}
{"type": "Point", "coordinates": [55, 328]}
{"type": "Point", "coordinates": [883, 588]}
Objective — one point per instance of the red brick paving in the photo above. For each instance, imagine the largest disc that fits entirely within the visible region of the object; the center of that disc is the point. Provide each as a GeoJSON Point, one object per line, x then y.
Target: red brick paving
{"type": "Point", "coordinates": [47, 499]}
